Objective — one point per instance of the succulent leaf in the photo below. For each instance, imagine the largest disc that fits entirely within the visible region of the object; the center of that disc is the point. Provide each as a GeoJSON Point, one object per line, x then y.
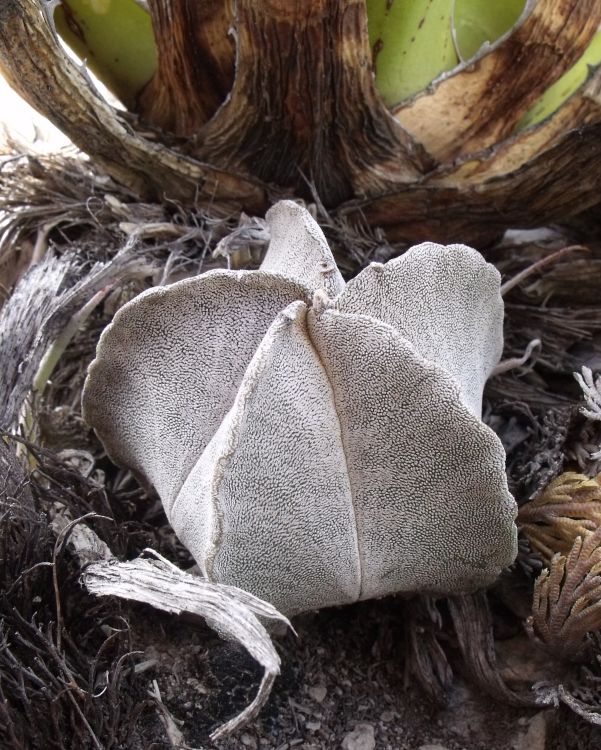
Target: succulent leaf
{"type": "Point", "coordinates": [546, 41]}
{"type": "Point", "coordinates": [114, 38]}
{"type": "Point", "coordinates": [412, 44]}
{"type": "Point", "coordinates": [478, 22]}
{"type": "Point", "coordinates": [312, 262]}
{"type": "Point", "coordinates": [453, 288]}
{"type": "Point", "coordinates": [161, 436]}
{"type": "Point", "coordinates": [566, 86]}
{"type": "Point", "coordinates": [268, 505]}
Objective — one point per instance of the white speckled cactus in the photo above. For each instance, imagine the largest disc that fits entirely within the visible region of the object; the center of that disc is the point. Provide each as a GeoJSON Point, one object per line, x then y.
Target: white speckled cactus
{"type": "Point", "coordinates": [313, 442]}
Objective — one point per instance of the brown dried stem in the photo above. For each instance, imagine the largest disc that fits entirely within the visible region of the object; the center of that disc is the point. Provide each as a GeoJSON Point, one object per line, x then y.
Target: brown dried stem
{"type": "Point", "coordinates": [35, 65]}
{"type": "Point", "coordinates": [304, 104]}
{"type": "Point", "coordinates": [195, 67]}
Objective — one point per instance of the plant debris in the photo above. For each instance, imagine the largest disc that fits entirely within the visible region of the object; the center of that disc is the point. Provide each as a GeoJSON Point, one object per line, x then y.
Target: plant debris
{"type": "Point", "coordinates": [567, 598]}
{"type": "Point", "coordinates": [109, 673]}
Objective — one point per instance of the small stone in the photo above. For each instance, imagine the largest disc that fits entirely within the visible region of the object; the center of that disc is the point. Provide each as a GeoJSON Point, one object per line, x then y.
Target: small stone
{"type": "Point", "coordinates": [432, 747]}
{"type": "Point", "coordinates": [318, 693]}
{"type": "Point", "coordinates": [536, 734]}
{"type": "Point", "coordinates": [248, 741]}
{"type": "Point", "coordinates": [387, 716]}
{"type": "Point", "coordinates": [313, 726]}
{"type": "Point", "coordinates": [361, 738]}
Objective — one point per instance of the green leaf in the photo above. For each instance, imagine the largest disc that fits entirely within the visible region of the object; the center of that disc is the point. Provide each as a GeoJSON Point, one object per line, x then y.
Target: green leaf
{"type": "Point", "coordinates": [412, 44]}
{"type": "Point", "coordinates": [565, 86]}
{"type": "Point", "coordinates": [480, 21]}
{"type": "Point", "coordinates": [116, 40]}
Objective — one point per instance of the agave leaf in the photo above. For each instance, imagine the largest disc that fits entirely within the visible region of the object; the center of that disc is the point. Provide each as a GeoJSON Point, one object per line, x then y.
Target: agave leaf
{"type": "Point", "coordinates": [547, 40]}
{"type": "Point", "coordinates": [115, 39]}
{"type": "Point", "coordinates": [477, 22]}
{"type": "Point", "coordinates": [313, 115]}
{"type": "Point", "coordinates": [411, 42]}
{"type": "Point", "coordinates": [481, 210]}
{"type": "Point", "coordinates": [35, 65]}
{"type": "Point", "coordinates": [583, 108]}
{"type": "Point", "coordinates": [566, 86]}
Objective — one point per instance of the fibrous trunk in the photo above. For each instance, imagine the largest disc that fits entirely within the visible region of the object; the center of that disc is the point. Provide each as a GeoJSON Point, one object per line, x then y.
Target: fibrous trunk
{"type": "Point", "coordinates": [253, 100]}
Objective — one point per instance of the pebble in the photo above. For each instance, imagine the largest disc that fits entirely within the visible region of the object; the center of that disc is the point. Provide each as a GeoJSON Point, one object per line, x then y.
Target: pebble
{"type": "Point", "coordinates": [536, 735]}
{"type": "Point", "coordinates": [363, 737]}
{"type": "Point", "coordinates": [318, 693]}
{"type": "Point", "coordinates": [432, 747]}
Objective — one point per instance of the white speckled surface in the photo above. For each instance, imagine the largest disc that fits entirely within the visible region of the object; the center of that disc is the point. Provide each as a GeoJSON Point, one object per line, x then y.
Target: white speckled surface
{"type": "Point", "coordinates": [316, 456]}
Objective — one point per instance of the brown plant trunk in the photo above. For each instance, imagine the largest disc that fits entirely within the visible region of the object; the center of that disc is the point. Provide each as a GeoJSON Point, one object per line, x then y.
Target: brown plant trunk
{"type": "Point", "coordinates": [304, 105]}
{"type": "Point", "coordinates": [196, 70]}
{"type": "Point", "coordinates": [254, 100]}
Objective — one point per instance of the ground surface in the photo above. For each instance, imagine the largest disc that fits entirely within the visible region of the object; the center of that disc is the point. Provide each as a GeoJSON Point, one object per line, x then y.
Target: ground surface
{"type": "Point", "coordinates": [345, 670]}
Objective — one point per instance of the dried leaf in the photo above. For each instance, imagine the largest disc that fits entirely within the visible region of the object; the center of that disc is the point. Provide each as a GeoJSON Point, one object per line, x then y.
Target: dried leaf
{"type": "Point", "coordinates": [425, 659]}
{"type": "Point", "coordinates": [473, 625]}
{"type": "Point", "coordinates": [230, 611]}
{"type": "Point", "coordinates": [305, 115]}
{"type": "Point", "coordinates": [583, 108]}
{"type": "Point", "coordinates": [39, 309]}
{"type": "Point", "coordinates": [591, 388]}
{"type": "Point", "coordinates": [478, 211]}
{"type": "Point", "coordinates": [566, 86]}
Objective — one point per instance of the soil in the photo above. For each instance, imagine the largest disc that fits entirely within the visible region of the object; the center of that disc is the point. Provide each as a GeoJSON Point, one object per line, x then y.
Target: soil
{"type": "Point", "coordinates": [344, 669]}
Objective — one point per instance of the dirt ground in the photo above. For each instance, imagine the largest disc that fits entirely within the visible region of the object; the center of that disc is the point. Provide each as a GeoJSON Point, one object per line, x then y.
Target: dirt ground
{"type": "Point", "coordinates": [343, 685]}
